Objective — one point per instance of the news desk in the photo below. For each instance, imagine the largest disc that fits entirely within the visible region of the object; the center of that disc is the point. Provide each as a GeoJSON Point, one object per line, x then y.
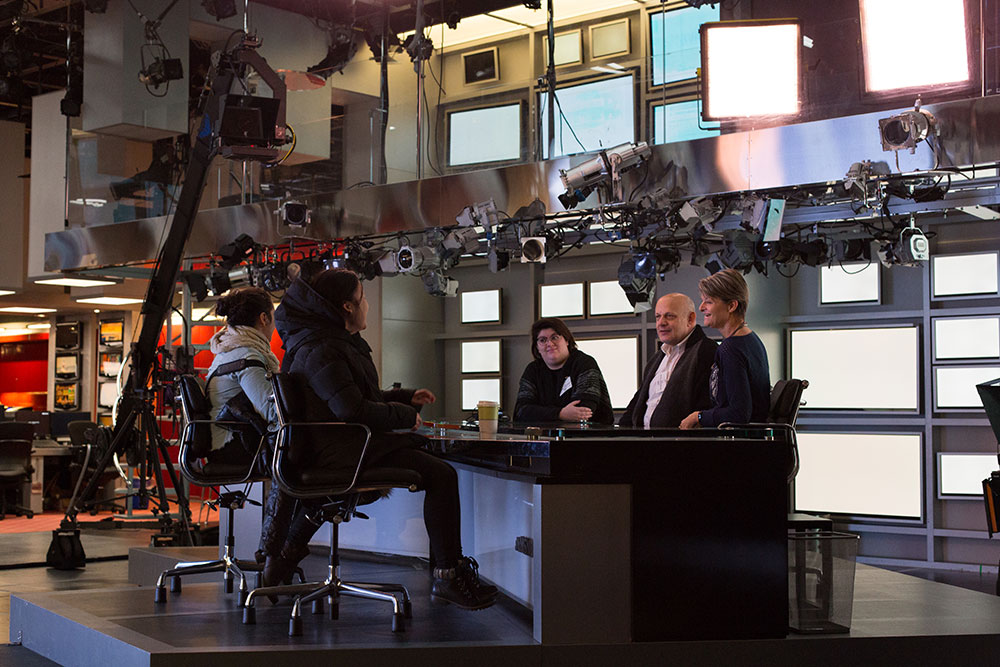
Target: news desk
{"type": "Point", "coordinates": [614, 535]}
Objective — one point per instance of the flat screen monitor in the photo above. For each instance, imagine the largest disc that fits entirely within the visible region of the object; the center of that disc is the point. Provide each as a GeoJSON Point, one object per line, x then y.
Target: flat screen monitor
{"type": "Point", "coordinates": [560, 300]}
{"type": "Point", "coordinates": [490, 134]}
{"type": "Point", "coordinates": [481, 356]}
{"type": "Point", "coordinates": [608, 298]}
{"type": "Point", "coordinates": [963, 474]}
{"type": "Point", "coordinates": [67, 365]}
{"type": "Point", "coordinates": [858, 369]}
{"type": "Point", "coordinates": [68, 335]}
{"type": "Point", "coordinates": [112, 332]}
{"type": "Point", "coordinates": [110, 364]}
{"type": "Point", "coordinates": [40, 420]}
{"type": "Point", "coordinates": [849, 283]}
{"type": "Point", "coordinates": [67, 395]}
{"type": "Point", "coordinates": [860, 474]}
{"type": "Point", "coordinates": [964, 275]}
{"type": "Point", "coordinates": [967, 338]}
{"type": "Point", "coordinates": [60, 422]}
{"type": "Point", "coordinates": [481, 307]}
{"type": "Point", "coordinates": [487, 389]}
{"type": "Point", "coordinates": [107, 394]}
{"type": "Point", "coordinates": [618, 359]}
{"type": "Point", "coordinates": [105, 420]}
{"type": "Point", "coordinates": [955, 386]}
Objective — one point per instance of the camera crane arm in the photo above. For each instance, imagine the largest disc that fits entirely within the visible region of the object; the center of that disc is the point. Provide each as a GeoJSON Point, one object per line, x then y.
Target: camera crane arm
{"type": "Point", "coordinates": [136, 417]}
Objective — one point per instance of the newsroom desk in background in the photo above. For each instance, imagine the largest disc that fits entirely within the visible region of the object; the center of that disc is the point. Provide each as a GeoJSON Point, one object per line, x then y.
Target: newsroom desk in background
{"type": "Point", "coordinates": [639, 535]}
{"type": "Point", "coordinates": [32, 495]}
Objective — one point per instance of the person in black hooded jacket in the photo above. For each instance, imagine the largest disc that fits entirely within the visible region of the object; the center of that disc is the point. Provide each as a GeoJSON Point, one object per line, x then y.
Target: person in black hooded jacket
{"type": "Point", "coordinates": [320, 323]}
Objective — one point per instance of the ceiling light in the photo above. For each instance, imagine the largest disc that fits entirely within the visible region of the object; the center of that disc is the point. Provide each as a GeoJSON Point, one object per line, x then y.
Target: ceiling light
{"type": "Point", "coordinates": [40, 325]}
{"type": "Point", "coordinates": [913, 43]}
{"type": "Point", "coordinates": [750, 68]}
{"type": "Point", "coordinates": [75, 282]}
{"type": "Point", "coordinates": [26, 309]}
{"type": "Point", "coordinates": [110, 300]}
{"type": "Point", "coordinates": [6, 292]}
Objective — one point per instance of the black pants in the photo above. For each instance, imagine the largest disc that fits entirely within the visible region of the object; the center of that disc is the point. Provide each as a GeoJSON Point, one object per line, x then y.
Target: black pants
{"type": "Point", "coordinates": [287, 529]}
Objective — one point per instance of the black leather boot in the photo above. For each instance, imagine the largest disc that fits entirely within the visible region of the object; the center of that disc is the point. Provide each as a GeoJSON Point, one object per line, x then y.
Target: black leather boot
{"type": "Point", "coordinates": [460, 586]}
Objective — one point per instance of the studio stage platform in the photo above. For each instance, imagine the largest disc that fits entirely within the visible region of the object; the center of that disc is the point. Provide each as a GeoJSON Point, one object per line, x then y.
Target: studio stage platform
{"type": "Point", "coordinates": [898, 619]}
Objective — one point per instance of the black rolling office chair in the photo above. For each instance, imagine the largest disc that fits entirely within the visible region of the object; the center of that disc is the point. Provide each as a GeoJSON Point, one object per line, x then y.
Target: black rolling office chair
{"type": "Point", "coordinates": [196, 441]}
{"type": "Point", "coordinates": [15, 463]}
{"type": "Point", "coordinates": [337, 494]}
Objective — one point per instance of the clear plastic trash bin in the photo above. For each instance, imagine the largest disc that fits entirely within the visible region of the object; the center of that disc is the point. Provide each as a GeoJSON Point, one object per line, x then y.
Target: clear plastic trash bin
{"type": "Point", "coordinates": [821, 568]}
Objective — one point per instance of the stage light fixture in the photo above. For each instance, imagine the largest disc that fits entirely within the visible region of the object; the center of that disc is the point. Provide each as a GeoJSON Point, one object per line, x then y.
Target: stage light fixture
{"type": "Point", "coordinates": [295, 214]}
{"type": "Point", "coordinates": [533, 249]}
{"type": "Point", "coordinates": [603, 170]}
{"type": "Point", "coordinates": [640, 292]}
{"type": "Point", "coordinates": [498, 260]}
{"type": "Point", "coordinates": [911, 44]}
{"type": "Point", "coordinates": [907, 129]}
{"type": "Point", "coordinates": [909, 248]}
{"type": "Point", "coordinates": [750, 68]}
{"type": "Point", "coordinates": [438, 284]}
{"type": "Point", "coordinates": [343, 45]}
{"type": "Point", "coordinates": [416, 259]}
{"type": "Point", "coordinates": [220, 9]}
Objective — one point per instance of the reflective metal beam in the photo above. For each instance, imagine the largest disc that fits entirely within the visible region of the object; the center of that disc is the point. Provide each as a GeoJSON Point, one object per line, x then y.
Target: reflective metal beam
{"type": "Point", "coordinates": [771, 158]}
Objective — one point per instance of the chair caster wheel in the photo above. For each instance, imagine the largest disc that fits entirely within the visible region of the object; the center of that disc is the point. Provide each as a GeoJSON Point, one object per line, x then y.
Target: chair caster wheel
{"type": "Point", "coordinates": [317, 606]}
{"type": "Point", "coordinates": [407, 609]}
{"type": "Point", "coordinates": [160, 594]}
{"type": "Point", "coordinates": [30, 515]}
{"type": "Point", "coordinates": [175, 584]}
{"type": "Point", "coordinates": [334, 611]}
{"type": "Point", "coordinates": [295, 626]}
{"type": "Point", "coordinates": [249, 615]}
{"type": "Point", "coordinates": [398, 623]}
{"type": "Point", "coordinates": [243, 598]}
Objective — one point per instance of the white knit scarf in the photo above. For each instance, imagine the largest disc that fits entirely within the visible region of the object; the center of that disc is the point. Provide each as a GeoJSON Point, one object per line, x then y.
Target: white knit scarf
{"type": "Point", "coordinates": [234, 336]}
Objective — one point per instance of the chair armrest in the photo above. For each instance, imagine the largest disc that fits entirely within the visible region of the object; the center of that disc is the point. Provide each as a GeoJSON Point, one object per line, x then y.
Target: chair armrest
{"type": "Point", "coordinates": [789, 433]}
{"type": "Point", "coordinates": [281, 450]}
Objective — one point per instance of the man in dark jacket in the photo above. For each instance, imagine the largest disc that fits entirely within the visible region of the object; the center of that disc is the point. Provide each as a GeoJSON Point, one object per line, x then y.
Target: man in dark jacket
{"type": "Point", "coordinates": [320, 323]}
{"type": "Point", "coordinates": [675, 382]}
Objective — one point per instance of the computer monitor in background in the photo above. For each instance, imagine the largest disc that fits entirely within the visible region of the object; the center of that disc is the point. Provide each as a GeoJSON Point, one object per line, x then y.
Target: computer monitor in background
{"type": "Point", "coordinates": [59, 422]}
{"type": "Point", "coordinates": [111, 332]}
{"type": "Point", "coordinates": [40, 420]}
{"type": "Point", "coordinates": [68, 335]}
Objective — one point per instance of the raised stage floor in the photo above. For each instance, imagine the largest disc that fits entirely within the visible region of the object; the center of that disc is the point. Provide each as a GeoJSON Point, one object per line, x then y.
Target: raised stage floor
{"type": "Point", "coordinates": [897, 618]}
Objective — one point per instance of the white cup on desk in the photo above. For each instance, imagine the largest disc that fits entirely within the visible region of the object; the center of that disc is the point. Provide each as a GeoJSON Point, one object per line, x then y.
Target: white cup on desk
{"type": "Point", "coordinates": [489, 412]}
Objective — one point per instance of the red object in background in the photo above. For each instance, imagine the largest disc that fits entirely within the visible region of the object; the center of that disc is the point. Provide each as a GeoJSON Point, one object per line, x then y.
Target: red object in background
{"type": "Point", "coordinates": [24, 371]}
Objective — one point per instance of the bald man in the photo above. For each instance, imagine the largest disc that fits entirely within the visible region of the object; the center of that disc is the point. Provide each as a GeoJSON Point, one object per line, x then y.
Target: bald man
{"type": "Point", "coordinates": [675, 381]}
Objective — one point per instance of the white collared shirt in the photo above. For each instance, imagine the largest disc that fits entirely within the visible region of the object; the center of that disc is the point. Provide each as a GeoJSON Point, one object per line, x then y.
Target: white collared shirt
{"type": "Point", "coordinates": [671, 355]}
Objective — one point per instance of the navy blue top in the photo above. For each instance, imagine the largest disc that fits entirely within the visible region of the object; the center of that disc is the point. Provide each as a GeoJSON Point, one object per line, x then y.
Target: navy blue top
{"type": "Point", "coordinates": [740, 383]}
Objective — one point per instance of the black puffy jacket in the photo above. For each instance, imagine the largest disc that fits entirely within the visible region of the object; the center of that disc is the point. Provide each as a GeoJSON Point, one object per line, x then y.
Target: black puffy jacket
{"type": "Point", "coordinates": [338, 370]}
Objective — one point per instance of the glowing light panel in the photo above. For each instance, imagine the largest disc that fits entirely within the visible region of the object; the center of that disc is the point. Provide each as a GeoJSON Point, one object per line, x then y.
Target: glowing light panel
{"type": "Point", "coordinates": [750, 70]}
{"type": "Point", "coordinates": [908, 43]}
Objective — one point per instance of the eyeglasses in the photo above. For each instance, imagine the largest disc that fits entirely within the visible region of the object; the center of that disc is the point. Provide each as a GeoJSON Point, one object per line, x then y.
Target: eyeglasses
{"type": "Point", "coordinates": [542, 341]}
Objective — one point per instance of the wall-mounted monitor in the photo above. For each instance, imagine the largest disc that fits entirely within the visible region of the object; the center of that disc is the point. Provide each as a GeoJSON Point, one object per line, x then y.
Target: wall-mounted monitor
{"type": "Point", "coordinates": [608, 40]}
{"type": "Point", "coordinates": [565, 301]}
{"type": "Point", "coordinates": [962, 475]}
{"type": "Point", "coordinates": [607, 298]}
{"type": "Point", "coordinates": [481, 66]}
{"type": "Point", "coordinates": [111, 332]}
{"type": "Point", "coordinates": [105, 420]}
{"type": "Point", "coordinates": [860, 474]}
{"type": "Point", "coordinates": [849, 284]}
{"type": "Point", "coordinates": [486, 134]}
{"type": "Point", "coordinates": [67, 395]}
{"type": "Point", "coordinates": [67, 365]}
{"type": "Point", "coordinates": [481, 356]}
{"type": "Point", "coordinates": [481, 307]}
{"type": "Point", "coordinates": [964, 275]}
{"type": "Point", "coordinates": [485, 389]}
{"type": "Point", "coordinates": [955, 386]}
{"type": "Point", "coordinates": [568, 48]}
{"type": "Point", "coordinates": [109, 364]}
{"type": "Point", "coordinates": [592, 115]}
{"type": "Point", "coordinates": [858, 369]}
{"type": "Point", "coordinates": [107, 394]}
{"type": "Point", "coordinates": [68, 335]}
{"type": "Point", "coordinates": [967, 338]}
{"type": "Point", "coordinates": [618, 359]}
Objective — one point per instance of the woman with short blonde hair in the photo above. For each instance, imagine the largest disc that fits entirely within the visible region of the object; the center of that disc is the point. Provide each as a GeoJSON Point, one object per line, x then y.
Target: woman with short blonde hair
{"type": "Point", "coordinates": [740, 380]}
